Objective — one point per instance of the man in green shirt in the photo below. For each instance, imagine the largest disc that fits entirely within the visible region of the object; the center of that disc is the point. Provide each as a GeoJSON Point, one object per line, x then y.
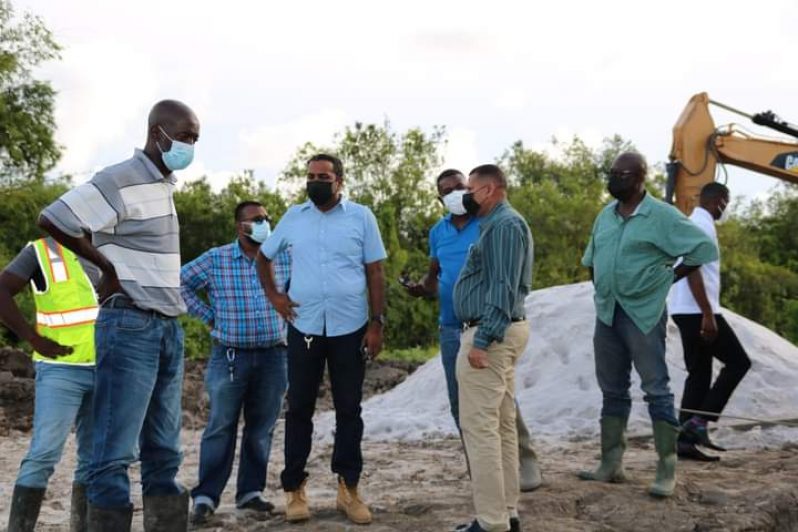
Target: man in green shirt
{"type": "Point", "coordinates": [635, 242]}
{"type": "Point", "coordinates": [489, 300]}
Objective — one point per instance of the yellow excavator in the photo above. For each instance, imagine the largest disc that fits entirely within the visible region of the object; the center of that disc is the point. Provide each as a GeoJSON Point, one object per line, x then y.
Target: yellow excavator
{"type": "Point", "coordinates": [699, 146]}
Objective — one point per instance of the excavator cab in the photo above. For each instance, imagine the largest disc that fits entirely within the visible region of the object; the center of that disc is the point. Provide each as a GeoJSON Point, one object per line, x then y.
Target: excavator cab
{"type": "Point", "coordinates": [699, 146]}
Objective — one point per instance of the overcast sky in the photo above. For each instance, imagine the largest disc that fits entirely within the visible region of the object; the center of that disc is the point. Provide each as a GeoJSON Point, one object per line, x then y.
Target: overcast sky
{"type": "Point", "coordinates": [264, 77]}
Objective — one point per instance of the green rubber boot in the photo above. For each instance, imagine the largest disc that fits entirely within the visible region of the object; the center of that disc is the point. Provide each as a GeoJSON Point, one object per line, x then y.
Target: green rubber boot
{"type": "Point", "coordinates": [665, 436]}
{"type": "Point", "coordinates": [613, 445]}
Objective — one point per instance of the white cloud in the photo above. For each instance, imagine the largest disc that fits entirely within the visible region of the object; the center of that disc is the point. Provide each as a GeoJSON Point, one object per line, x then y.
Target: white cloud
{"type": "Point", "coordinates": [461, 149]}
{"type": "Point", "coordinates": [271, 146]}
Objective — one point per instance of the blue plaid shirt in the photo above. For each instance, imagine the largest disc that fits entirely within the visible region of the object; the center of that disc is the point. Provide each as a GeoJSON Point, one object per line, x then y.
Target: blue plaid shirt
{"type": "Point", "coordinates": [239, 312]}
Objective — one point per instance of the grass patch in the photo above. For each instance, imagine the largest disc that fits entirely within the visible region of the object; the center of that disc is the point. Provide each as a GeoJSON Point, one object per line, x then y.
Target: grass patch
{"type": "Point", "coordinates": [417, 355]}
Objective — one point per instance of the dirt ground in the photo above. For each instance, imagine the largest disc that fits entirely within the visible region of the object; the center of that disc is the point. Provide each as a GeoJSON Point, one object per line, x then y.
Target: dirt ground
{"type": "Point", "coordinates": [423, 486]}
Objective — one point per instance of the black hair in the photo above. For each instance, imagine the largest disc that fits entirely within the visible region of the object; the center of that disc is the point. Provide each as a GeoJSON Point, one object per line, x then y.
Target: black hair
{"type": "Point", "coordinates": [448, 173]}
{"type": "Point", "coordinates": [491, 171]}
{"type": "Point", "coordinates": [714, 190]}
{"type": "Point", "coordinates": [243, 205]}
{"type": "Point", "coordinates": [338, 166]}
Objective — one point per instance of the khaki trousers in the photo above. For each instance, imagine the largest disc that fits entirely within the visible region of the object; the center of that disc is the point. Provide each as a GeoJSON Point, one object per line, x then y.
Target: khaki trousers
{"type": "Point", "coordinates": [488, 423]}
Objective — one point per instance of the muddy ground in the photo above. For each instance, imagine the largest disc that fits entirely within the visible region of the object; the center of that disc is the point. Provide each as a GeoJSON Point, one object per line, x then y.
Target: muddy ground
{"type": "Point", "coordinates": [424, 486]}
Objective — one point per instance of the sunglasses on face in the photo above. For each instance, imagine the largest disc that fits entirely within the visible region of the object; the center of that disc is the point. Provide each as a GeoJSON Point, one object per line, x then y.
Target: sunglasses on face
{"type": "Point", "coordinates": [622, 174]}
{"type": "Point", "coordinates": [258, 219]}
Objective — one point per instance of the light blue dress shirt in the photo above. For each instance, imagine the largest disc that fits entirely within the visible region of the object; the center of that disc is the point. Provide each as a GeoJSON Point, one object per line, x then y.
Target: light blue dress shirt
{"type": "Point", "coordinates": [329, 253]}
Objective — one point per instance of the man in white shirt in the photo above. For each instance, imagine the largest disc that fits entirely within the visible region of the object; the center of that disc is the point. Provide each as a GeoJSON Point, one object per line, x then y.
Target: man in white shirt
{"type": "Point", "coordinates": [694, 305]}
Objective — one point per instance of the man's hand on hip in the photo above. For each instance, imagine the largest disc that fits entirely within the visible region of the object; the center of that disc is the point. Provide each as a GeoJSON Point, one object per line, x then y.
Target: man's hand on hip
{"type": "Point", "coordinates": [478, 358]}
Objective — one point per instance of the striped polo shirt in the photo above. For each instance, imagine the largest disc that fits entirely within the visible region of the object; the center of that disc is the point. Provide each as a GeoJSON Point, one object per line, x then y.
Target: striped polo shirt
{"type": "Point", "coordinates": [129, 211]}
{"type": "Point", "coordinates": [497, 275]}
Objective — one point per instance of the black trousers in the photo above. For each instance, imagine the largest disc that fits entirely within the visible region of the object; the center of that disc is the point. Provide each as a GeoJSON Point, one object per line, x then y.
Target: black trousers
{"type": "Point", "coordinates": [307, 356]}
{"type": "Point", "coordinates": [699, 391]}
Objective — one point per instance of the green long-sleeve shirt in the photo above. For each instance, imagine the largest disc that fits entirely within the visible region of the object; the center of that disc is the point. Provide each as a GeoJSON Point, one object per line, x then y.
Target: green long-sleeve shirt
{"type": "Point", "coordinates": [633, 258]}
{"type": "Point", "coordinates": [497, 275]}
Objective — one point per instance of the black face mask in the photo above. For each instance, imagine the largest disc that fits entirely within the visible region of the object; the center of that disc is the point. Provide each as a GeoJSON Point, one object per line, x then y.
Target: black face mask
{"type": "Point", "coordinates": [470, 204]}
{"type": "Point", "coordinates": [621, 188]}
{"type": "Point", "coordinates": [320, 192]}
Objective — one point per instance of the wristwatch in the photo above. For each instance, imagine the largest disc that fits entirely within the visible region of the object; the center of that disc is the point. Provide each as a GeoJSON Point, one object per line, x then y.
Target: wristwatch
{"type": "Point", "coordinates": [379, 318]}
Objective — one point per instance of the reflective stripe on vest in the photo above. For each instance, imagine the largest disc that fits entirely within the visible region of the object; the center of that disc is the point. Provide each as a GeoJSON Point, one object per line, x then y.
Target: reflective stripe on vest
{"type": "Point", "coordinates": [67, 307]}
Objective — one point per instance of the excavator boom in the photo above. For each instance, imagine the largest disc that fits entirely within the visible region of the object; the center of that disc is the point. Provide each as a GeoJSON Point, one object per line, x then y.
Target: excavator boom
{"type": "Point", "coordinates": [698, 147]}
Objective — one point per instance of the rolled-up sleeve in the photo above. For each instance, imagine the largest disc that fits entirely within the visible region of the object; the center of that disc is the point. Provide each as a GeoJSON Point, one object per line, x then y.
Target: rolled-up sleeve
{"type": "Point", "coordinates": [682, 238]}
{"type": "Point", "coordinates": [373, 248]}
{"type": "Point", "coordinates": [194, 277]}
{"type": "Point", "coordinates": [88, 208]}
{"type": "Point", "coordinates": [503, 254]}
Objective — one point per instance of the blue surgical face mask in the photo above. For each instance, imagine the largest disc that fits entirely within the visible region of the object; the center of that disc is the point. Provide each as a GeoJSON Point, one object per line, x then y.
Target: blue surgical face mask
{"type": "Point", "coordinates": [179, 155]}
{"type": "Point", "coordinates": [260, 231]}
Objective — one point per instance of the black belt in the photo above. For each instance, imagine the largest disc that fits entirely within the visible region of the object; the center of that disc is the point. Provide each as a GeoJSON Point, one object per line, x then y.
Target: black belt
{"type": "Point", "coordinates": [473, 323]}
{"type": "Point", "coordinates": [124, 302]}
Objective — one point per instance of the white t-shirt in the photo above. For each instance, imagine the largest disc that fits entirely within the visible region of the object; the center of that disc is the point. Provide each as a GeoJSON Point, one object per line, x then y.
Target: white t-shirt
{"type": "Point", "coordinates": [680, 299]}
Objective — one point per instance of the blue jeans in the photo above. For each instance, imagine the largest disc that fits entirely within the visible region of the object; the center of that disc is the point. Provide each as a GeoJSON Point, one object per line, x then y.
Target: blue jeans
{"type": "Point", "coordinates": [259, 381]}
{"type": "Point", "coordinates": [620, 346]}
{"type": "Point", "coordinates": [63, 399]}
{"type": "Point", "coordinates": [450, 345]}
{"type": "Point", "coordinates": [137, 412]}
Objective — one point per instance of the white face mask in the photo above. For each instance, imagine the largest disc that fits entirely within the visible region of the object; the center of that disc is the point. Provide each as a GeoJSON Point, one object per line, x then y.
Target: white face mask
{"type": "Point", "coordinates": [453, 201]}
{"type": "Point", "coordinates": [725, 214]}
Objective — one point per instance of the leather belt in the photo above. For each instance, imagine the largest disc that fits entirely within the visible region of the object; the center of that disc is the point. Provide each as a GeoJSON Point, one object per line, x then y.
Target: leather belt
{"type": "Point", "coordinates": [124, 302]}
{"type": "Point", "coordinates": [473, 323]}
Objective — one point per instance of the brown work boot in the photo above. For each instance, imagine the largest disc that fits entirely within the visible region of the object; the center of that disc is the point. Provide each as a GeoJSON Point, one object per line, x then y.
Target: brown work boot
{"type": "Point", "coordinates": [349, 502]}
{"type": "Point", "coordinates": [296, 506]}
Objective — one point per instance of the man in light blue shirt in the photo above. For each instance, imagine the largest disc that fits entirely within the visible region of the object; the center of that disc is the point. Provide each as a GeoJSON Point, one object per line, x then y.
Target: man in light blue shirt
{"type": "Point", "coordinates": [336, 276]}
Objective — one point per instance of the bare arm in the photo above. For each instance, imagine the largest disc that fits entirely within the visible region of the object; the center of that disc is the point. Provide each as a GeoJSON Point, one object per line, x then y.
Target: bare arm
{"type": "Point", "coordinates": [709, 328]}
{"type": "Point", "coordinates": [375, 279]}
{"type": "Point", "coordinates": [281, 302]}
{"type": "Point", "coordinates": [109, 284]}
{"type": "Point", "coordinates": [428, 287]}
{"type": "Point", "coordinates": [682, 270]}
{"type": "Point", "coordinates": [10, 315]}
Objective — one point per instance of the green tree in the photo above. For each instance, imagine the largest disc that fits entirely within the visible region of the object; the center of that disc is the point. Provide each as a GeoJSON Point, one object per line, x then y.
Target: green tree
{"type": "Point", "coordinates": [27, 146]}
{"type": "Point", "coordinates": [560, 197]}
{"type": "Point", "coordinates": [392, 173]}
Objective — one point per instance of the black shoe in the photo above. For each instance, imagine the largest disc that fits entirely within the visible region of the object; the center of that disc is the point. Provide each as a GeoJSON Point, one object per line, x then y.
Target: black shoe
{"type": "Point", "coordinates": [515, 524]}
{"type": "Point", "coordinates": [474, 527]}
{"type": "Point", "coordinates": [202, 512]}
{"type": "Point", "coordinates": [695, 430]}
{"type": "Point", "coordinates": [688, 451]}
{"type": "Point", "coordinates": [25, 505]}
{"type": "Point", "coordinates": [258, 505]}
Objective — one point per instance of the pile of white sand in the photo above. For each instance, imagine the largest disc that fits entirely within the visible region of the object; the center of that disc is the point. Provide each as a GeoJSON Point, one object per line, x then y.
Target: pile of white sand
{"type": "Point", "coordinates": [556, 384]}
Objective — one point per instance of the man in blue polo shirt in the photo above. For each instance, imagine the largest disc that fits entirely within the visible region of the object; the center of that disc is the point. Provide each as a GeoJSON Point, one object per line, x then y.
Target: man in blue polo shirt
{"type": "Point", "coordinates": [449, 242]}
{"type": "Point", "coordinates": [336, 278]}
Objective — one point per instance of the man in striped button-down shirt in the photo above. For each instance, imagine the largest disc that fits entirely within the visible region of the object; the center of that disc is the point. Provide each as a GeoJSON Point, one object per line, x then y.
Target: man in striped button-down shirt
{"type": "Point", "coordinates": [124, 221]}
{"type": "Point", "coordinates": [247, 369]}
{"type": "Point", "coordinates": [489, 300]}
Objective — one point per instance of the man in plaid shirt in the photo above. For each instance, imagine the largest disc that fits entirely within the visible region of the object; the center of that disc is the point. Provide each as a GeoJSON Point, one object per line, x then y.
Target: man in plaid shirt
{"type": "Point", "coordinates": [247, 369]}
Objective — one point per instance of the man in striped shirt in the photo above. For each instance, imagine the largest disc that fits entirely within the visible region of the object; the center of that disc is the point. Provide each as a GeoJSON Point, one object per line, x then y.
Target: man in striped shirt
{"type": "Point", "coordinates": [124, 221]}
{"type": "Point", "coordinates": [489, 299]}
{"type": "Point", "coordinates": [247, 369]}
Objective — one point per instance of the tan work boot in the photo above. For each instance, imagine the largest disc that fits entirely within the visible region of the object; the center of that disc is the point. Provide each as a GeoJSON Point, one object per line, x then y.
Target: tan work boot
{"type": "Point", "coordinates": [296, 505]}
{"type": "Point", "coordinates": [349, 502]}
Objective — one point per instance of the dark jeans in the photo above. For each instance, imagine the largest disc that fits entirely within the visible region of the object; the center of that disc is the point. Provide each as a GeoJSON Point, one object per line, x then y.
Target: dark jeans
{"type": "Point", "coordinates": [136, 408]}
{"type": "Point", "coordinates": [307, 356]}
{"type": "Point", "coordinates": [699, 392]}
{"type": "Point", "coordinates": [619, 347]}
{"type": "Point", "coordinates": [257, 387]}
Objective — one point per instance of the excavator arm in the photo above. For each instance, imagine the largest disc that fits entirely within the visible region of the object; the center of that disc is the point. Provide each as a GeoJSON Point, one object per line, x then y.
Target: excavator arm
{"type": "Point", "coordinates": [699, 146]}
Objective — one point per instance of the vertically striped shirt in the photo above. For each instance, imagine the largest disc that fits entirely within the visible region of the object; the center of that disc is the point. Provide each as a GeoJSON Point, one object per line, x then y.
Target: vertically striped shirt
{"type": "Point", "coordinates": [497, 275]}
{"type": "Point", "coordinates": [239, 311]}
{"type": "Point", "coordinates": [129, 211]}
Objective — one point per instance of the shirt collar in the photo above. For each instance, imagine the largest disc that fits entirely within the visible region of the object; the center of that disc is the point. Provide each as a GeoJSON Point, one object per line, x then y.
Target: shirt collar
{"type": "Point", "coordinates": [152, 169]}
{"type": "Point", "coordinates": [643, 208]}
{"type": "Point", "coordinates": [342, 204]}
{"type": "Point", "coordinates": [471, 219]}
{"type": "Point", "coordinates": [237, 251]}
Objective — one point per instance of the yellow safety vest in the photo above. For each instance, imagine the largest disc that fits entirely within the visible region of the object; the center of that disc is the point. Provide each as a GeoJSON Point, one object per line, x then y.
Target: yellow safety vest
{"type": "Point", "coordinates": [67, 307]}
